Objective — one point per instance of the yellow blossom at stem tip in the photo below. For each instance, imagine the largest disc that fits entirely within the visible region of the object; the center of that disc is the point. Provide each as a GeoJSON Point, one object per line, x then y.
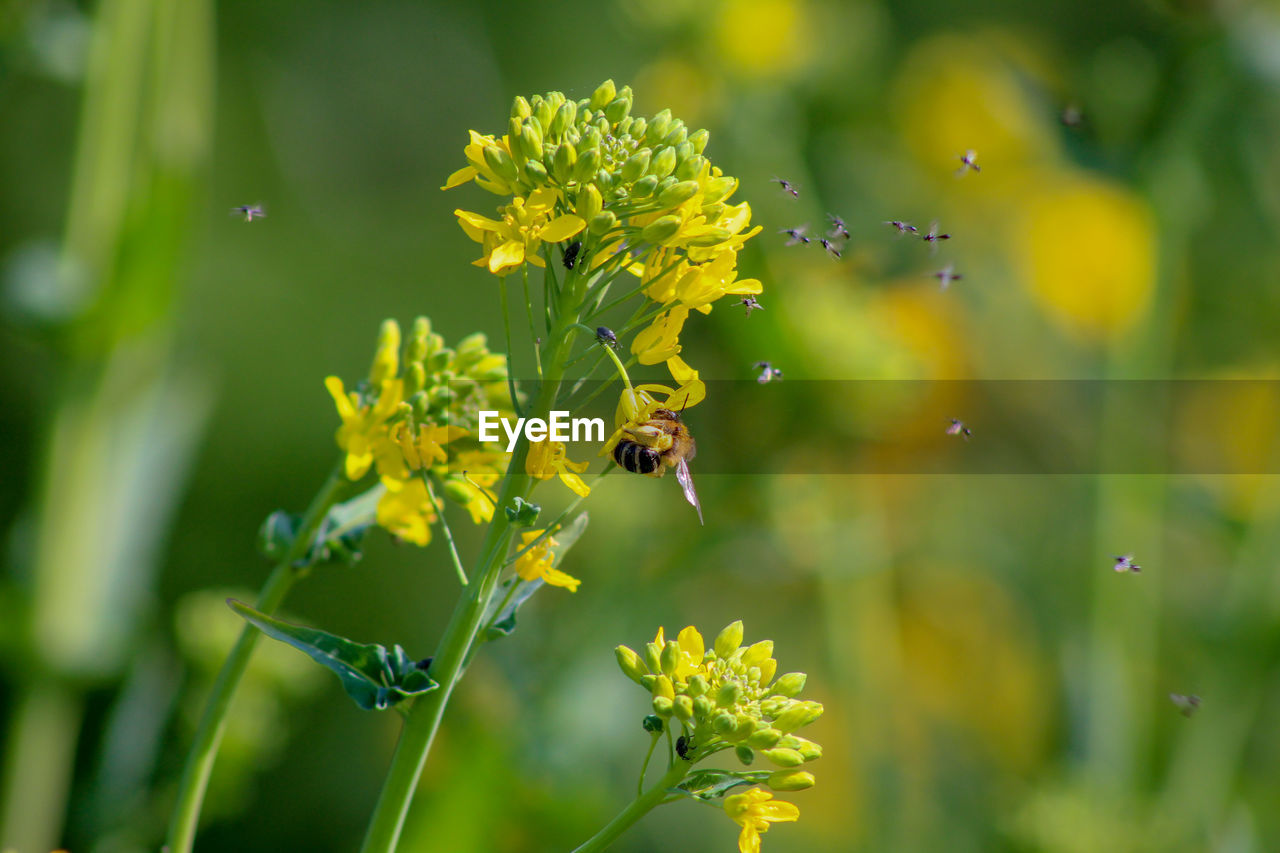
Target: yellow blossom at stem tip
{"type": "Point", "coordinates": [406, 511]}
{"type": "Point", "coordinates": [364, 426]}
{"type": "Point", "coordinates": [539, 562]}
{"type": "Point", "coordinates": [526, 224]}
{"type": "Point", "coordinates": [754, 810]}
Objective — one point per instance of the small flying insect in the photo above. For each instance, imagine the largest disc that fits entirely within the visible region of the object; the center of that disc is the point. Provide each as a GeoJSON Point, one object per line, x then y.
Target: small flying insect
{"type": "Point", "coordinates": [751, 304]}
{"type": "Point", "coordinates": [903, 227]}
{"type": "Point", "coordinates": [830, 247]}
{"type": "Point", "coordinates": [933, 236]}
{"type": "Point", "coordinates": [571, 254]}
{"type": "Point", "coordinates": [968, 161]}
{"type": "Point", "coordinates": [838, 228]}
{"type": "Point", "coordinates": [787, 186]}
{"type": "Point", "coordinates": [250, 212]}
{"type": "Point", "coordinates": [606, 336]}
{"type": "Point", "coordinates": [768, 373]}
{"type": "Point", "coordinates": [1071, 116]}
{"type": "Point", "coordinates": [796, 234]}
{"type": "Point", "coordinates": [659, 443]}
{"type": "Point", "coordinates": [684, 747]}
{"type": "Point", "coordinates": [946, 275]}
{"type": "Point", "coordinates": [1187, 705]}
{"type": "Point", "coordinates": [1126, 564]}
{"type": "Point", "coordinates": [957, 427]}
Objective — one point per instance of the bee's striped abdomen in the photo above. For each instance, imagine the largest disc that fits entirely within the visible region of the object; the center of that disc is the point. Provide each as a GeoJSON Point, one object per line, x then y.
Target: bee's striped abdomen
{"type": "Point", "coordinates": [637, 458]}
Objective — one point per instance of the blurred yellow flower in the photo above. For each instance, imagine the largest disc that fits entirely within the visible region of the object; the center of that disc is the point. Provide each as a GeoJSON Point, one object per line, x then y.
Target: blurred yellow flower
{"type": "Point", "coordinates": [405, 510]}
{"type": "Point", "coordinates": [1087, 253]}
{"type": "Point", "coordinates": [763, 38]}
{"type": "Point", "coordinates": [539, 562]}
{"type": "Point", "coordinates": [548, 459]}
{"type": "Point", "coordinates": [364, 425]}
{"type": "Point", "coordinates": [754, 810]}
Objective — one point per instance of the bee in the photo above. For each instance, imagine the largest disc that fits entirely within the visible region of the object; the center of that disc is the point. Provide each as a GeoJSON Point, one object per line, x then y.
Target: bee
{"type": "Point", "coordinates": [684, 747]}
{"type": "Point", "coordinates": [946, 275]}
{"type": "Point", "coordinates": [957, 427]}
{"type": "Point", "coordinates": [250, 212]}
{"type": "Point", "coordinates": [571, 254]}
{"type": "Point", "coordinates": [968, 160]}
{"type": "Point", "coordinates": [787, 186]}
{"type": "Point", "coordinates": [1126, 564]}
{"type": "Point", "coordinates": [659, 443]}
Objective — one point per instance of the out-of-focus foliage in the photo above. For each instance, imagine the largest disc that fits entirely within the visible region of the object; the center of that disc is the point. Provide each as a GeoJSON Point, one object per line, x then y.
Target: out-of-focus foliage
{"type": "Point", "coordinates": [989, 683]}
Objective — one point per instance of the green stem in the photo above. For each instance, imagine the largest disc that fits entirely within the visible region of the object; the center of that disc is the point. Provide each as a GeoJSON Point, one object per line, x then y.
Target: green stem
{"type": "Point", "coordinates": [506, 328]}
{"type": "Point", "coordinates": [204, 747]}
{"type": "Point", "coordinates": [639, 807]}
{"type": "Point", "coordinates": [423, 718]}
{"type": "Point", "coordinates": [444, 525]}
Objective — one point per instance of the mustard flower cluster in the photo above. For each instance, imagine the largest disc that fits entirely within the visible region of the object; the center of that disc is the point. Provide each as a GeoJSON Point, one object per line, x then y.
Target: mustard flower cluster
{"type": "Point", "coordinates": [418, 414]}
{"type": "Point", "coordinates": [726, 697]}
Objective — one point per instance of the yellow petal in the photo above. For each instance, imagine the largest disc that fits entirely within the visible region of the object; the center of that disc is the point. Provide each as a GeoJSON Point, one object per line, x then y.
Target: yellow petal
{"type": "Point", "coordinates": [506, 255]}
{"type": "Point", "coordinates": [561, 228]}
{"type": "Point", "coordinates": [460, 177]}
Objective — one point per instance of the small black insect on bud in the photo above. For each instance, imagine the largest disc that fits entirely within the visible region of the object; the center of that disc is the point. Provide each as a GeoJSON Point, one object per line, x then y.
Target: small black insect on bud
{"type": "Point", "coordinates": [571, 254]}
{"type": "Point", "coordinates": [684, 747]}
{"type": "Point", "coordinates": [606, 336]}
{"type": "Point", "coordinates": [653, 724]}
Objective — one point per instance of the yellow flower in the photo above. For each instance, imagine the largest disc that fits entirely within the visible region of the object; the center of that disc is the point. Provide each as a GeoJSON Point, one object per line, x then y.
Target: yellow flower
{"type": "Point", "coordinates": [754, 810]}
{"type": "Point", "coordinates": [405, 510]}
{"type": "Point", "coordinates": [660, 341]}
{"type": "Point", "coordinates": [405, 452]}
{"type": "Point", "coordinates": [547, 459]}
{"type": "Point", "coordinates": [479, 170]}
{"type": "Point", "coordinates": [637, 405]}
{"type": "Point", "coordinates": [525, 225]}
{"type": "Point", "coordinates": [364, 426]}
{"type": "Point", "coordinates": [692, 649]}
{"type": "Point", "coordinates": [539, 562]}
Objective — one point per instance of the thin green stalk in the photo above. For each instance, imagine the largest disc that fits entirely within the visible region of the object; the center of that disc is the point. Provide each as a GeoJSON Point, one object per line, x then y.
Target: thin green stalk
{"type": "Point", "coordinates": [528, 310]}
{"type": "Point", "coordinates": [444, 525]}
{"type": "Point", "coordinates": [506, 328]}
{"type": "Point", "coordinates": [639, 807]}
{"type": "Point", "coordinates": [423, 718]}
{"type": "Point", "coordinates": [204, 747]}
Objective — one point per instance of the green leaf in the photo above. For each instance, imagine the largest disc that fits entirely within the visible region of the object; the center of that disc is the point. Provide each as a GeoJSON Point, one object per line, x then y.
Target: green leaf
{"type": "Point", "coordinates": [373, 676]}
{"type": "Point", "coordinates": [277, 534]}
{"type": "Point", "coordinates": [522, 513]}
{"type": "Point", "coordinates": [711, 784]}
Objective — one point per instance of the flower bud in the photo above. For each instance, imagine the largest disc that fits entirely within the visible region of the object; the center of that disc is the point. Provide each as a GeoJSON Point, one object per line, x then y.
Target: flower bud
{"type": "Point", "coordinates": [765, 738]}
{"type": "Point", "coordinates": [713, 237]}
{"type": "Point", "coordinates": [742, 727]}
{"type": "Point", "coordinates": [530, 141]}
{"type": "Point", "coordinates": [537, 172]}
{"type": "Point", "coordinates": [520, 108]}
{"type": "Point", "coordinates": [774, 705]}
{"type": "Point", "coordinates": [790, 685]}
{"type": "Point", "coordinates": [700, 138]}
{"type": "Point", "coordinates": [684, 151]}
{"type": "Point", "coordinates": [419, 339]}
{"type": "Point", "coordinates": [644, 187]}
{"type": "Point", "coordinates": [678, 193]}
{"type": "Point", "coordinates": [662, 706]}
{"type": "Point", "coordinates": [783, 757]}
{"type": "Point", "coordinates": [638, 128]}
{"type": "Point", "coordinates": [663, 687]}
{"type": "Point", "coordinates": [500, 162]}
{"type": "Point", "coordinates": [658, 126]}
{"type": "Point", "coordinates": [603, 94]}
{"type": "Point", "coordinates": [415, 378]}
{"type": "Point", "coordinates": [670, 657]}
{"type": "Point", "coordinates": [589, 202]}
{"type": "Point", "coordinates": [717, 189]}
{"type": "Point", "coordinates": [768, 669]}
{"type": "Point", "coordinates": [702, 707]}
{"type": "Point", "coordinates": [728, 694]}
{"type": "Point", "coordinates": [542, 114]}
{"type": "Point", "coordinates": [602, 223]}
{"type": "Point", "coordinates": [697, 684]}
{"type": "Point", "coordinates": [689, 169]}
{"type": "Point", "coordinates": [790, 780]}
{"type": "Point", "coordinates": [587, 166]}
{"type": "Point", "coordinates": [646, 681]}
{"type": "Point", "coordinates": [676, 133]}
{"type": "Point", "coordinates": [386, 358]}
{"type": "Point", "coordinates": [458, 491]}
{"type": "Point", "coordinates": [562, 120]}
{"type": "Point", "coordinates": [618, 109]}
{"type": "Point", "coordinates": [723, 723]}
{"type": "Point", "coordinates": [590, 140]}
{"type": "Point", "coordinates": [745, 754]}
{"type": "Point", "coordinates": [711, 212]}
{"type": "Point", "coordinates": [562, 162]}
{"type": "Point", "coordinates": [757, 652]}
{"type": "Point", "coordinates": [728, 640]}
{"type": "Point", "coordinates": [663, 163]}
{"type": "Point", "coordinates": [637, 164]}
{"type": "Point", "coordinates": [808, 750]}
{"type": "Point", "coordinates": [652, 656]}
{"type": "Point", "coordinates": [683, 707]}
{"type": "Point", "coordinates": [653, 724]}
{"type": "Point", "coordinates": [797, 716]}
{"type": "Point", "coordinates": [661, 229]}
{"type": "Point", "coordinates": [629, 661]}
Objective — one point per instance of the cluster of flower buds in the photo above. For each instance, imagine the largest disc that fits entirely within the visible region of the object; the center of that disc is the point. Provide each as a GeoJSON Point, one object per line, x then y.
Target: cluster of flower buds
{"type": "Point", "coordinates": [726, 697]}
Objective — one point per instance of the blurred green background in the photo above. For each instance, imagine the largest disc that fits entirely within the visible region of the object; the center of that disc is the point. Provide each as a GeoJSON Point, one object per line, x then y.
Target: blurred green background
{"type": "Point", "coordinates": [990, 684]}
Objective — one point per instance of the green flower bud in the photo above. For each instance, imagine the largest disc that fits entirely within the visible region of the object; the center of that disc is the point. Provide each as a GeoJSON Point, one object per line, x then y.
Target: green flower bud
{"type": "Point", "coordinates": [689, 169]}
{"type": "Point", "coordinates": [790, 780]}
{"type": "Point", "coordinates": [637, 164]}
{"type": "Point", "coordinates": [670, 657]}
{"type": "Point", "coordinates": [683, 707]}
{"type": "Point", "coordinates": [587, 166]}
{"type": "Point", "coordinates": [678, 193]}
{"type": "Point", "coordinates": [757, 653]}
{"type": "Point", "coordinates": [604, 181]}
{"type": "Point", "coordinates": [715, 237]}
{"type": "Point", "coordinates": [440, 397]}
{"type": "Point", "coordinates": [542, 114]}
{"type": "Point", "coordinates": [676, 133]}
{"type": "Point", "coordinates": [661, 229]}
{"type": "Point", "coordinates": [419, 339]}
{"type": "Point", "coordinates": [765, 738]}
{"type": "Point", "coordinates": [590, 140]}
{"type": "Point", "coordinates": [439, 360]}
{"type": "Point", "coordinates": [602, 223]}
{"type": "Point", "coordinates": [617, 109]}
{"type": "Point", "coordinates": [702, 707]}
{"type": "Point", "coordinates": [520, 108]}
{"type": "Point", "coordinates": [500, 162]}
{"type": "Point", "coordinates": [722, 724]}
{"type": "Point", "coordinates": [623, 130]}
{"type": "Point", "coordinates": [589, 202]}
{"type": "Point", "coordinates": [717, 189]}
{"type": "Point", "coordinates": [697, 684]}
{"type": "Point", "coordinates": [663, 687]}
{"type": "Point", "coordinates": [797, 716]}
{"type": "Point", "coordinates": [629, 661]}
{"type": "Point", "coordinates": [774, 705]}
{"type": "Point", "coordinates": [662, 706]}
{"type": "Point", "coordinates": [742, 727]}
{"type": "Point", "coordinates": [684, 151]}
{"type": "Point", "coordinates": [638, 127]}
{"type": "Point", "coordinates": [658, 127]}
{"type": "Point", "coordinates": [415, 378]}
{"type": "Point", "coordinates": [790, 685]}
{"type": "Point", "coordinates": [537, 172]}
{"type": "Point", "coordinates": [745, 754]}
{"type": "Point", "coordinates": [563, 119]}
{"type": "Point", "coordinates": [386, 358]}
{"type": "Point", "coordinates": [652, 656]}
{"type": "Point", "coordinates": [644, 187]}
{"type": "Point", "coordinates": [653, 724]}
{"type": "Point", "coordinates": [809, 750]}
{"type": "Point", "coordinates": [699, 138]}
{"type": "Point", "coordinates": [663, 163]}
{"type": "Point", "coordinates": [783, 757]}
{"type": "Point", "coordinates": [728, 640]}
{"type": "Point", "coordinates": [646, 681]}
{"type": "Point", "coordinates": [603, 94]}
{"type": "Point", "coordinates": [458, 491]}
{"type": "Point", "coordinates": [530, 140]}
{"type": "Point", "coordinates": [728, 694]}
{"type": "Point", "coordinates": [562, 162]}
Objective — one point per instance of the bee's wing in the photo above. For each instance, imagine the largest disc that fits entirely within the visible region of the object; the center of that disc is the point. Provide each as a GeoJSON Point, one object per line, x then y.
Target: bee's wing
{"type": "Point", "coordinates": [686, 482]}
